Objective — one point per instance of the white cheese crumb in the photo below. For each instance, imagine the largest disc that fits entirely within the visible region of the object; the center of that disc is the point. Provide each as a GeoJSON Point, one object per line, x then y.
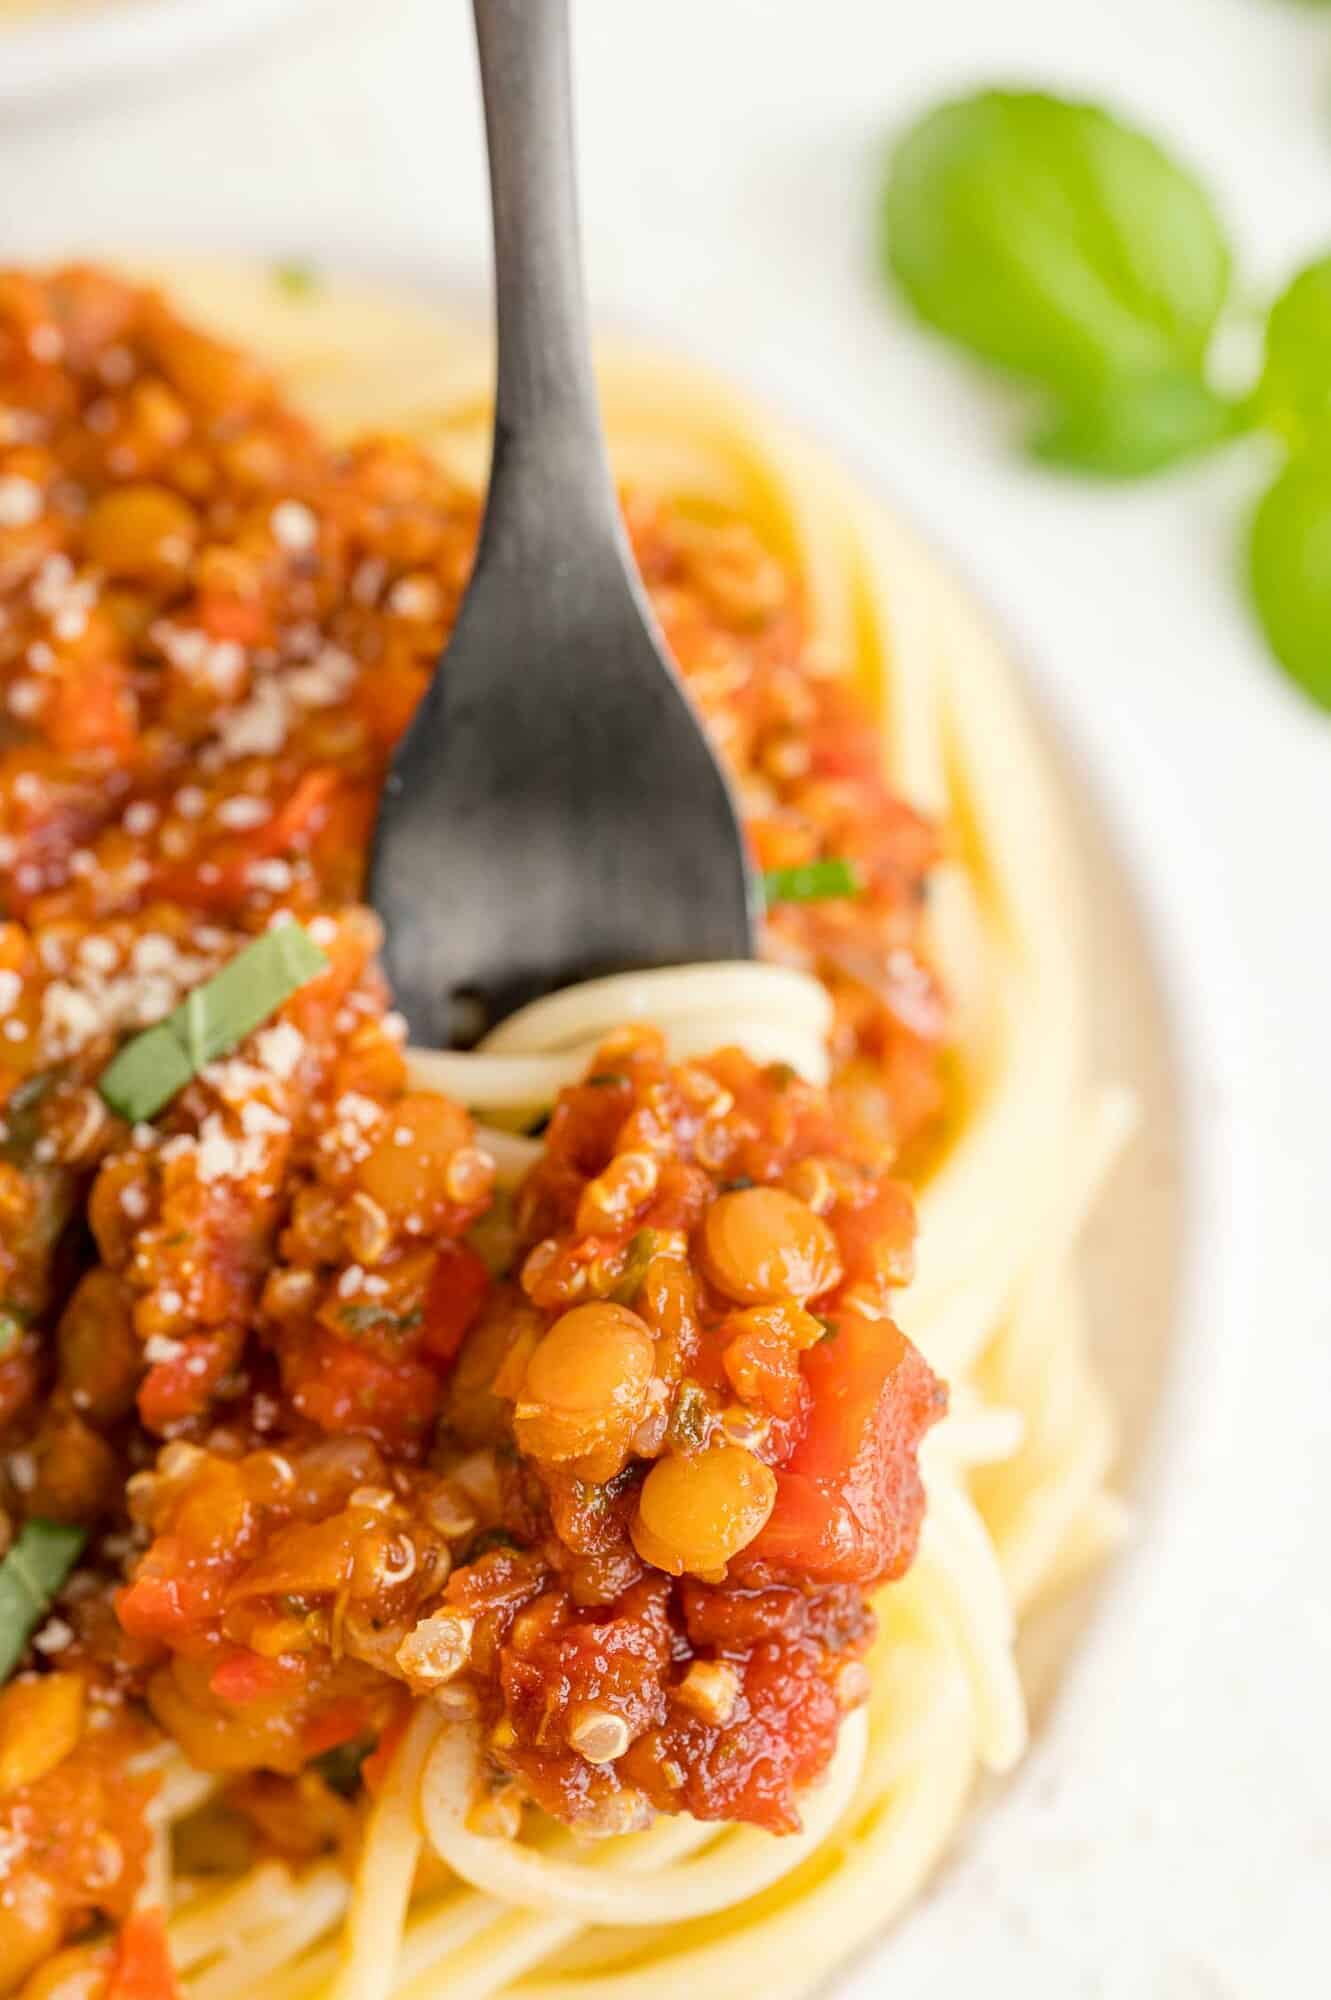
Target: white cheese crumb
{"type": "Point", "coordinates": [98, 954]}
{"type": "Point", "coordinates": [55, 1635]}
{"type": "Point", "coordinates": [324, 682]}
{"type": "Point", "coordinates": [222, 1157]}
{"type": "Point", "coordinates": [280, 1048]}
{"type": "Point", "coordinates": [70, 1019]}
{"type": "Point", "coordinates": [46, 343]}
{"type": "Point", "coordinates": [275, 876]}
{"type": "Point", "coordinates": [368, 580]}
{"type": "Point", "coordinates": [20, 502]}
{"type": "Point", "coordinates": [242, 811]}
{"type": "Point", "coordinates": [359, 1109]}
{"type": "Point", "coordinates": [415, 597]}
{"type": "Point", "coordinates": [294, 527]}
{"type": "Point", "coordinates": [258, 728]}
{"type": "Point", "coordinates": [259, 1119]}
{"type": "Point", "coordinates": [115, 366]}
{"type": "Point", "coordinates": [25, 698]}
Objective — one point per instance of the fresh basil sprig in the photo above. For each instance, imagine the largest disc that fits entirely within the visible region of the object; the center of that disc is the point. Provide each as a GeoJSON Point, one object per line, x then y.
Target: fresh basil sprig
{"type": "Point", "coordinates": [1293, 396]}
{"type": "Point", "coordinates": [1289, 556]}
{"type": "Point", "coordinates": [1129, 427]}
{"type": "Point", "coordinates": [38, 1561]}
{"type": "Point", "coordinates": [1064, 247]}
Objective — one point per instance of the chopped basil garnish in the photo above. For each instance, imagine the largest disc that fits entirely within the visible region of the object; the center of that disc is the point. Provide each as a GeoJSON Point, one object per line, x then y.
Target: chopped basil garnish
{"type": "Point", "coordinates": [30, 1576]}
{"type": "Point", "coordinates": [341, 1766]}
{"type": "Point", "coordinates": [150, 1070]}
{"type": "Point", "coordinates": [831, 1328]}
{"type": "Point", "coordinates": [689, 1419]}
{"type": "Point", "coordinates": [296, 279]}
{"type": "Point", "coordinates": [20, 1116]}
{"type": "Point", "coordinates": [642, 1248]}
{"type": "Point", "coordinates": [13, 1319]}
{"type": "Point", "coordinates": [815, 882]}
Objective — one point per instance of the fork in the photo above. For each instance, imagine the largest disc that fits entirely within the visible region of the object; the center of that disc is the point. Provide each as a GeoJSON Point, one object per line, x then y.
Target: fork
{"type": "Point", "coordinates": [554, 811]}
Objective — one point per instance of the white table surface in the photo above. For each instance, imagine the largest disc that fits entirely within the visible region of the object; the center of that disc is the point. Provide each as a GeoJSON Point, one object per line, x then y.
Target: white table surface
{"type": "Point", "coordinates": [1171, 1837]}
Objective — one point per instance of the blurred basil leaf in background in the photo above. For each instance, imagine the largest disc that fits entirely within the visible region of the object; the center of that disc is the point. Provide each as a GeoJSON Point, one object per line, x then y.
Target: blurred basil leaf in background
{"type": "Point", "coordinates": [1293, 396]}
{"type": "Point", "coordinates": [1053, 239]}
{"type": "Point", "coordinates": [1290, 567]}
{"type": "Point", "coordinates": [1134, 426]}
{"type": "Point", "coordinates": [1062, 245]}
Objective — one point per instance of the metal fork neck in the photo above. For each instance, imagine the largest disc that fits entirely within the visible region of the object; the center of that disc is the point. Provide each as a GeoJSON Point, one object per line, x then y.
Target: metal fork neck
{"type": "Point", "coordinates": [550, 463]}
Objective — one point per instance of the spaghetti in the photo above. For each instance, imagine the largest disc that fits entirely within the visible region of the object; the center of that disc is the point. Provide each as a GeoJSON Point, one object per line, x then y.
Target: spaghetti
{"type": "Point", "coordinates": [1015, 1475]}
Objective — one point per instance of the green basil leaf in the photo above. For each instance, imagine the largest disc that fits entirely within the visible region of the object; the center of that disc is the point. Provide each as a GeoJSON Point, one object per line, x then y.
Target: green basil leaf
{"type": "Point", "coordinates": [297, 279]}
{"type": "Point", "coordinates": [340, 1767]}
{"type": "Point", "coordinates": [1125, 429]}
{"type": "Point", "coordinates": [151, 1068]}
{"type": "Point", "coordinates": [1294, 394]}
{"type": "Point", "coordinates": [13, 1320]}
{"type": "Point", "coordinates": [1290, 568]}
{"type": "Point", "coordinates": [642, 1249]}
{"type": "Point", "coordinates": [812, 882]}
{"type": "Point", "coordinates": [1053, 240]}
{"type": "Point", "coordinates": [40, 1559]}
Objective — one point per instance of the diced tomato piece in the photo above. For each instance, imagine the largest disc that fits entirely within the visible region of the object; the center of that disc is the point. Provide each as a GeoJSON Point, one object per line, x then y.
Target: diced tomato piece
{"type": "Point", "coordinates": [90, 708]}
{"type": "Point", "coordinates": [141, 1967]}
{"type": "Point", "coordinates": [184, 1385]}
{"type": "Point", "coordinates": [292, 829]}
{"type": "Point", "coordinates": [245, 1676]}
{"type": "Point", "coordinates": [295, 823]}
{"type": "Point", "coordinates": [243, 619]}
{"type": "Point", "coordinates": [850, 1500]}
{"type": "Point", "coordinates": [838, 749]}
{"type": "Point", "coordinates": [878, 1240]}
{"type": "Point", "coordinates": [341, 1722]}
{"type": "Point", "coordinates": [341, 1387]}
{"type": "Point", "coordinates": [458, 1284]}
{"type": "Point", "coordinates": [167, 1598]}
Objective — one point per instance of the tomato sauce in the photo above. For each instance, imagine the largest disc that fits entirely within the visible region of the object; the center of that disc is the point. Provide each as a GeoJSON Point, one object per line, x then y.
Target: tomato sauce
{"type": "Point", "coordinates": [618, 1494]}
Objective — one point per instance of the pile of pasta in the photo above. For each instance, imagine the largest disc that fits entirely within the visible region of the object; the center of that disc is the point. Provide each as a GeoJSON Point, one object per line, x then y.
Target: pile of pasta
{"type": "Point", "coordinates": [1016, 1475]}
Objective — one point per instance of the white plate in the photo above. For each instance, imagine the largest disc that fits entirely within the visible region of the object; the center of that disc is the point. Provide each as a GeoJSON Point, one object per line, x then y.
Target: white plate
{"type": "Point", "coordinates": [64, 51]}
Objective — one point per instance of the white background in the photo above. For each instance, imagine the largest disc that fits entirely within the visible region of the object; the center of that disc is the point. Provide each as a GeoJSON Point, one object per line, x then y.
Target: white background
{"type": "Point", "coordinates": [1171, 1839]}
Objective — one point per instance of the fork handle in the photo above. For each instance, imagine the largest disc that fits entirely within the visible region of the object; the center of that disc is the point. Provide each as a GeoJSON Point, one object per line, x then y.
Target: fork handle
{"type": "Point", "coordinates": [550, 474]}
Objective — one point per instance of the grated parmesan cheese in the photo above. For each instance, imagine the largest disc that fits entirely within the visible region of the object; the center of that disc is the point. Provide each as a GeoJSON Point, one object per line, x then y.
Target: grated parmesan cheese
{"type": "Point", "coordinates": [20, 502]}
{"type": "Point", "coordinates": [294, 527]}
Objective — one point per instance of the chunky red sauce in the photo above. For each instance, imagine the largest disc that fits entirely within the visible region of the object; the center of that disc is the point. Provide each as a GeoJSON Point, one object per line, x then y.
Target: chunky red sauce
{"type": "Point", "coordinates": [622, 1502]}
